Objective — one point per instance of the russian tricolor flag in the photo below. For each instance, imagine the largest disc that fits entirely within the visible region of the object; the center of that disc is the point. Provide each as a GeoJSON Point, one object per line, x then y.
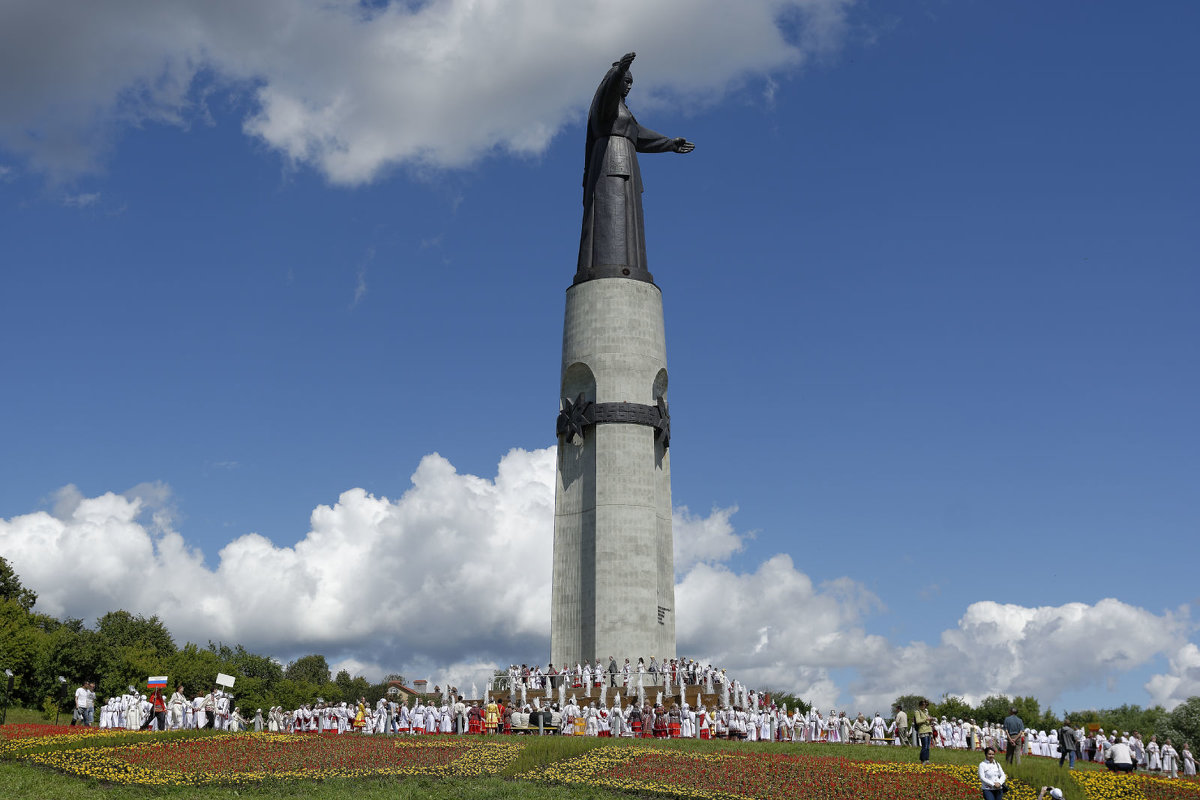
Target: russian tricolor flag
{"type": "Point", "coordinates": [157, 682]}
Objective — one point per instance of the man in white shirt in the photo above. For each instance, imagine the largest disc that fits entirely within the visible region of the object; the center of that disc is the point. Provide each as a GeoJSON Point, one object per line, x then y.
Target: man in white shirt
{"type": "Point", "coordinates": [83, 708]}
{"type": "Point", "coordinates": [1119, 758]}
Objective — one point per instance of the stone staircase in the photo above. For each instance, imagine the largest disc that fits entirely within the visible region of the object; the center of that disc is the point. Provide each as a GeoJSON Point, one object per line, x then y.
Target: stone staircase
{"type": "Point", "coordinates": [586, 695]}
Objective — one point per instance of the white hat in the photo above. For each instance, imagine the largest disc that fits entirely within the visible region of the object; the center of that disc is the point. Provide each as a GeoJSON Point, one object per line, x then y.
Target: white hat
{"type": "Point", "coordinates": [1056, 794]}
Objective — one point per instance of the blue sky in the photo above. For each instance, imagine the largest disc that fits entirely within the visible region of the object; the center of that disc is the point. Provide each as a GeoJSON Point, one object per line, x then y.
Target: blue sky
{"type": "Point", "coordinates": [930, 281]}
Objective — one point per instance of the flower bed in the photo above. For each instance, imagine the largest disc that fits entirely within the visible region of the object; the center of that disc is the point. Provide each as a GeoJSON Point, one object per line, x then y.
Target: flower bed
{"type": "Point", "coordinates": [734, 776]}
{"type": "Point", "coordinates": [203, 758]}
{"type": "Point", "coordinates": [254, 757]}
{"type": "Point", "coordinates": [15, 738]}
{"type": "Point", "coordinates": [1119, 786]}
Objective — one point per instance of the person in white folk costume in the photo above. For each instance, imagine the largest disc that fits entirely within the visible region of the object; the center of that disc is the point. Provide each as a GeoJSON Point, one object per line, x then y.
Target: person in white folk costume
{"type": "Point", "coordinates": [198, 713]}
{"type": "Point", "coordinates": [1153, 762]}
{"type": "Point", "coordinates": [616, 720]}
{"type": "Point", "coordinates": [175, 709]}
{"type": "Point", "coordinates": [223, 711]}
{"type": "Point", "coordinates": [381, 713]}
{"type": "Point", "coordinates": [832, 728]}
{"type": "Point", "coordinates": [1189, 763]}
{"type": "Point", "coordinates": [878, 729]}
{"type": "Point", "coordinates": [815, 725]}
{"type": "Point", "coordinates": [133, 711]}
{"type": "Point", "coordinates": [1170, 759]}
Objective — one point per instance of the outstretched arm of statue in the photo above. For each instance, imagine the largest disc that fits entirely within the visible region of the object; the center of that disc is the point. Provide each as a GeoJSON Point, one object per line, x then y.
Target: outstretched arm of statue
{"type": "Point", "coordinates": [682, 145]}
{"type": "Point", "coordinates": [612, 88]}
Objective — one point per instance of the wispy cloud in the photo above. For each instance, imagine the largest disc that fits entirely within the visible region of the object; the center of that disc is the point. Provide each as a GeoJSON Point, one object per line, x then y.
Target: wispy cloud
{"type": "Point", "coordinates": [83, 200]}
{"type": "Point", "coordinates": [360, 285]}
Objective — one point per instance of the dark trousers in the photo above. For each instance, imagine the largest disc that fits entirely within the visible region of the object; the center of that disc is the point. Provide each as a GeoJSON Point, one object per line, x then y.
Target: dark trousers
{"type": "Point", "coordinates": [1010, 751]}
{"type": "Point", "coordinates": [925, 740]}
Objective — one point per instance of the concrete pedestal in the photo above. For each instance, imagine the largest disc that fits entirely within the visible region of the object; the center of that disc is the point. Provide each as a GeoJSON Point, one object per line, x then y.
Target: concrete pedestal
{"type": "Point", "coordinates": [613, 584]}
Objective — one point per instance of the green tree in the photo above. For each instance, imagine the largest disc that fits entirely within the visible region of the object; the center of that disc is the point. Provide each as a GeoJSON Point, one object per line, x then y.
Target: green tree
{"type": "Point", "coordinates": [293, 694]}
{"type": "Point", "coordinates": [195, 668]}
{"type": "Point", "coordinates": [308, 669]}
{"type": "Point", "coordinates": [1182, 724]}
{"type": "Point", "coordinates": [11, 588]}
{"type": "Point", "coordinates": [952, 707]}
{"type": "Point", "coordinates": [909, 703]}
{"type": "Point", "coordinates": [993, 708]}
{"type": "Point", "coordinates": [1029, 710]}
{"type": "Point", "coordinates": [68, 649]}
{"type": "Point", "coordinates": [122, 629]}
{"type": "Point", "coordinates": [1082, 718]}
{"type": "Point", "coordinates": [360, 687]}
{"type": "Point", "coordinates": [785, 698]}
{"type": "Point", "coordinates": [1134, 718]}
{"type": "Point", "coordinates": [343, 681]}
{"type": "Point", "coordinates": [19, 644]}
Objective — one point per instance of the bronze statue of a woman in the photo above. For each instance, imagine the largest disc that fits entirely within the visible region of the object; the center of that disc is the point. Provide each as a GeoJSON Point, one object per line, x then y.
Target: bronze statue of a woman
{"type": "Point", "coordinates": [612, 242]}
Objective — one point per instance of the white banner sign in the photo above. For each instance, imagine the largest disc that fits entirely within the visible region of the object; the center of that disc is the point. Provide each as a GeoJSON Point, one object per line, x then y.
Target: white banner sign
{"type": "Point", "coordinates": [225, 680]}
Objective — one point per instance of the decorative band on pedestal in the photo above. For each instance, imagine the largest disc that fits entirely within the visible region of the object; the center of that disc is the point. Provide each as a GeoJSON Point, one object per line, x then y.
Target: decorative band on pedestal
{"type": "Point", "coordinates": [583, 413]}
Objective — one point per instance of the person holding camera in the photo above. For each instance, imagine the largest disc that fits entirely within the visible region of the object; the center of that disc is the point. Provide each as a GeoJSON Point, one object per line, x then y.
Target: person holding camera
{"type": "Point", "coordinates": [991, 776]}
{"type": "Point", "coordinates": [923, 724]}
{"type": "Point", "coordinates": [1051, 792]}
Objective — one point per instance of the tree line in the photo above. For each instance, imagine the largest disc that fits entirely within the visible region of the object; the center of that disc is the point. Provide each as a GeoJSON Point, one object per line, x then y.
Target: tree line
{"type": "Point", "coordinates": [124, 649]}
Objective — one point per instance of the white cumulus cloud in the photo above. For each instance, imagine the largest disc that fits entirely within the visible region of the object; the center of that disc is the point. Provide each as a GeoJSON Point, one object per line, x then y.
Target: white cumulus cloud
{"type": "Point", "coordinates": [452, 578]}
{"type": "Point", "coordinates": [1181, 682]}
{"type": "Point", "coordinates": [703, 539]}
{"type": "Point", "coordinates": [352, 88]}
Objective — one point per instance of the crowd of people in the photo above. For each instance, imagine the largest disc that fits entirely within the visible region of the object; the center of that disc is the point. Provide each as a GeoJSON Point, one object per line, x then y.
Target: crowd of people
{"type": "Point", "coordinates": [1124, 751]}
{"type": "Point", "coordinates": [673, 671]}
{"type": "Point", "coordinates": [740, 714]}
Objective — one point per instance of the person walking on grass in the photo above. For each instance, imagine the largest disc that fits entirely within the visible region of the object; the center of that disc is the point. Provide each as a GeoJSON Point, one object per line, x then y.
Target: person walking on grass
{"type": "Point", "coordinates": [1067, 744]}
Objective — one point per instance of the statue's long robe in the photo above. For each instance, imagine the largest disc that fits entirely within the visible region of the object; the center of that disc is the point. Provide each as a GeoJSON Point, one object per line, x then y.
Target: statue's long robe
{"type": "Point", "coordinates": [612, 239]}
